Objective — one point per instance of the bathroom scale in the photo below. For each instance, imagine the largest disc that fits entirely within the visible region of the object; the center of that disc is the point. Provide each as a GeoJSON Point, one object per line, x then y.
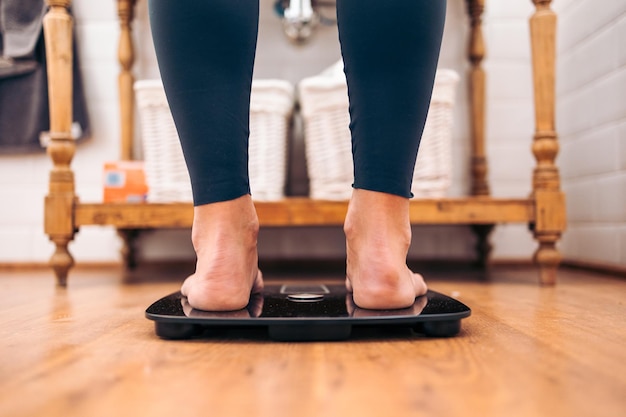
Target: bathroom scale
{"type": "Point", "coordinates": [300, 312]}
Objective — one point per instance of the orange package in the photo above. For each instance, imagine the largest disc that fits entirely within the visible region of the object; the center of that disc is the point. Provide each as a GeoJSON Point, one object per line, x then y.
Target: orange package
{"type": "Point", "coordinates": [125, 182]}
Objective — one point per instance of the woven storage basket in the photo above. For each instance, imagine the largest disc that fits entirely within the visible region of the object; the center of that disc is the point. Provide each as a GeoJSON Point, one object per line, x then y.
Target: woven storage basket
{"type": "Point", "coordinates": [271, 105]}
{"type": "Point", "coordinates": [324, 104]}
{"type": "Point", "coordinates": [166, 173]}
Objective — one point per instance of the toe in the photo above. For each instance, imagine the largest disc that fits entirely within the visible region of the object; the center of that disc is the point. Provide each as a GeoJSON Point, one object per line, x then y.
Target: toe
{"type": "Point", "coordinates": [184, 289]}
{"type": "Point", "coordinates": [257, 285]}
{"type": "Point", "coordinates": [419, 284]}
{"type": "Point", "coordinates": [349, 285]}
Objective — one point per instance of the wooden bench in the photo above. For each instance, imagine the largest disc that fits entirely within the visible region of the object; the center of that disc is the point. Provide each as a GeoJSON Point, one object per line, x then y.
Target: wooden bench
{"type": "Point", "coordinates": [543, 210]}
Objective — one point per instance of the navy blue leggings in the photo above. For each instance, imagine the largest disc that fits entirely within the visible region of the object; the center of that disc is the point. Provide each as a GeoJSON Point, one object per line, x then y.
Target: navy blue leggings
{"type": "Point", "coordinates": [206, 50]}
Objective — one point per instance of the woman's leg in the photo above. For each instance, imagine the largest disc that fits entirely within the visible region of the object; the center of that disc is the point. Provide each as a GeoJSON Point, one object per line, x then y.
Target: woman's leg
{"type": "Point", "coordinates": [390, 50]}
{"type": "Point", "coordinates": [205, 51]}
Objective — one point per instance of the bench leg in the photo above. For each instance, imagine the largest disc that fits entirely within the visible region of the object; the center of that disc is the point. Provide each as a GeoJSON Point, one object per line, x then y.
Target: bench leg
{"type": "Point", "coordinates": [61, 199]}
{"type": "Point", "coordinates": [483, 246]}
{"type": "Point", "coordinates": [549, 200]}
{"type": "Point", "coordinates": [61, 261]}
{"type": "Point", "coordinates": [129, 248]}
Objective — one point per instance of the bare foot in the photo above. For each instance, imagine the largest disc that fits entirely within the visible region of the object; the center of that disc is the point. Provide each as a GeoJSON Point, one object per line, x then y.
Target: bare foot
{"type": "Point", "coordinates": [378, 236]}
{"type": "Point", "coordinates": [224, 236]}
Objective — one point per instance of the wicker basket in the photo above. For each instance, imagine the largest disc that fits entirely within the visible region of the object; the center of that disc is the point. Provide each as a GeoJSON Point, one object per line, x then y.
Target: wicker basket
{"type": "Point", "coordinates": [166, 173]}
{"type": "Point", "coordinates": [324, 104]}
{"type": "Point", "coordinates": [271, 106]}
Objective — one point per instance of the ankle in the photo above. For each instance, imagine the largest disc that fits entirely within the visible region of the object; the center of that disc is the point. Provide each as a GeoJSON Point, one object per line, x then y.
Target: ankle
{"type": "Point", "coordinates": [227, 220]}
{"type": "Point", "coordinates": [379, 216]}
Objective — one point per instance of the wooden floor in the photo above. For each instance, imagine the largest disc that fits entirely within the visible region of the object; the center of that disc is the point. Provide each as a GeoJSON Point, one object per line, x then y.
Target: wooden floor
{"type": "Point", "coordinates": [526, 351]}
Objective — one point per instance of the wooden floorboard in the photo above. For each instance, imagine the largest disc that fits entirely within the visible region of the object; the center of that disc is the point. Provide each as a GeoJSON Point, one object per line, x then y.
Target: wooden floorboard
{"type": "Point", "coordinates": [527, 350]}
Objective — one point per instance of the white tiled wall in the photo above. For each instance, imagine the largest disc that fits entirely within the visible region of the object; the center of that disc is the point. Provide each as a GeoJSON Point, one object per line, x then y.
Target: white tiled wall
{"type": "Point", "coordinates": [591, 122]}
{"type": "Point", "coordinates": [592, 126]}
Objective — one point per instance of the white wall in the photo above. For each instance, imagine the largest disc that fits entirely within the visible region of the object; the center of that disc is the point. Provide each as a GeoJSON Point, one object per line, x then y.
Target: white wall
{"type": "Point", "coordinates": [592, 127]}
{"type": "Point", "coordinates": [509, 128]}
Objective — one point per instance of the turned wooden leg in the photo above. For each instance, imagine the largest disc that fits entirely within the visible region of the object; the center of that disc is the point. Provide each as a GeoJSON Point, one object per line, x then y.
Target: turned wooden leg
{"type": "Point", "coordinates": [483, 247]}
{"type": "Point", "coordinates": [480, 183]}
{"type": "Point", "coordinates": [476, 54]}
{"type": "Point", "coordinates": [548, 258]}
{"type": "Point", "coordinates": [126, 57]}
{"type": "Point", "coordinates": [61, 261]}
{"type": "Point", "coordinates": [61, 199]}
{"type": "Point", "coordinates": [129, 248]}
{"type": "Point", "coordinates": [549, 200]}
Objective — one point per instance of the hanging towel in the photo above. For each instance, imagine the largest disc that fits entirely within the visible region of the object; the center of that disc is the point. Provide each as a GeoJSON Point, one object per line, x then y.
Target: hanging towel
{"type": "Point", "coordinates": [24, 112]}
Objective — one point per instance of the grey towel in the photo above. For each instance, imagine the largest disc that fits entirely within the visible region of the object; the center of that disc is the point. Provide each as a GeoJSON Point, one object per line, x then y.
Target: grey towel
{"type": "Point", "coordinates": [20, 25]}
{"type": "Point", "coordinates": [23, 80]}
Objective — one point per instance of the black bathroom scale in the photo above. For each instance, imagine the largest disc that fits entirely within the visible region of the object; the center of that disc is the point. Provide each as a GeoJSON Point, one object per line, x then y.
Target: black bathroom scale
{"type": "Point", "coordinates": [292, 312]}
